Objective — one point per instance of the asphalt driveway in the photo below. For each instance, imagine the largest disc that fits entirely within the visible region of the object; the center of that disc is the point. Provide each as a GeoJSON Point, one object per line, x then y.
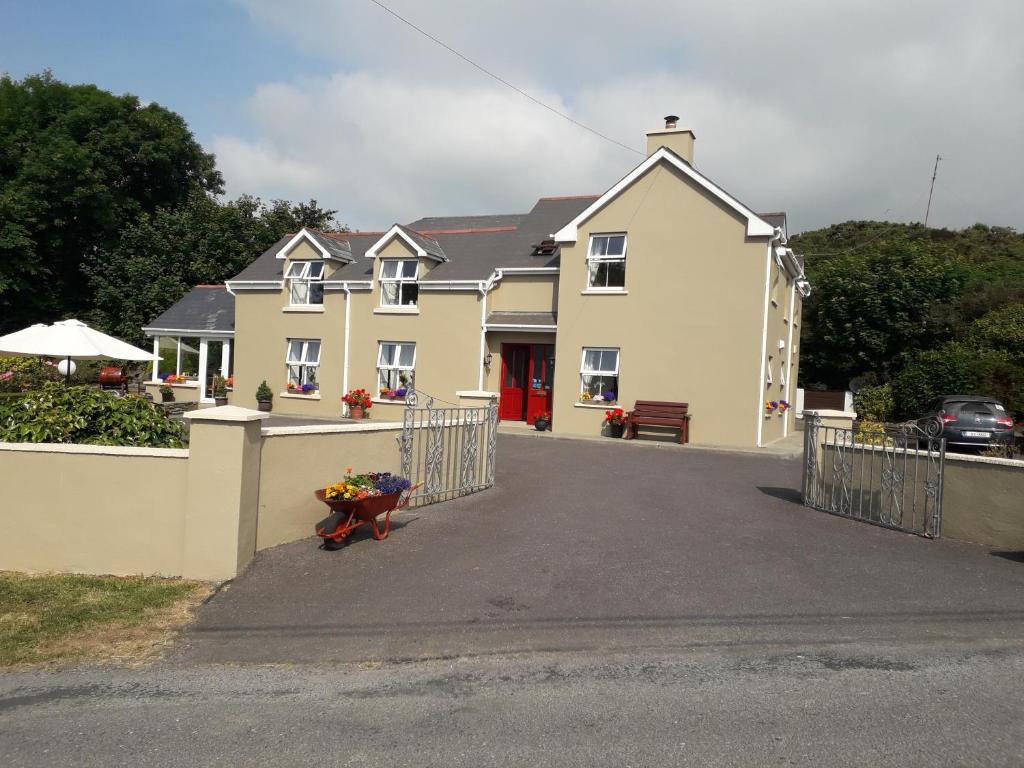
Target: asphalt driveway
{"type": "Point", "coordinates": [610, 547]}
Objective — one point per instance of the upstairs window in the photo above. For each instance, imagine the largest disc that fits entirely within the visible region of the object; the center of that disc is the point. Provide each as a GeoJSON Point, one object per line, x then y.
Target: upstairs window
{"type": "Point", "coordinates": [606, 263]}
{"type": "Point", "coordinates": [396, 364]}
{"type": "Point", "coordinates": [304, 282]}
{"type": "Point", "coordinates": [398, 283]}
{"type": "Point", "coordinates": [599, 374]}
{"type": "Point", "coordinates": [303, 363]}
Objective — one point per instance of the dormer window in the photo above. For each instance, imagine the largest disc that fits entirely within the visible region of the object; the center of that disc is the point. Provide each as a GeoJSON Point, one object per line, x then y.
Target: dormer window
{"type": "Point", "coordinates": [606, 263]}
{"type": "Point", "coordinates": [398, 286]}
{"type": "Point", "coordinates": [305, 284]}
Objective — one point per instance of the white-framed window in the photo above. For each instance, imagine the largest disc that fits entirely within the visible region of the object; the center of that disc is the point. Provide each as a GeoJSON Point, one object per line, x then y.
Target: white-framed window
{"type": "Point", "coordinates": [396, 364]}
{"type": "Point", "coordinates": [398, 286]}
{"type": "Point", "coordinates": [599, 373]}
{"type": "Point", "coordinates": [304, 282]}
{"type": "Point", "coordinates": [303, 361]}
{"type": "Point", "coordinates": [606, 262]}
{"type": "Point", "coordinates": [768, 377]}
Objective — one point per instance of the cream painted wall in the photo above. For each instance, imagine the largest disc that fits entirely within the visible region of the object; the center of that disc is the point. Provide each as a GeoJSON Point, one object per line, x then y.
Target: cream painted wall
{"type": "Point", "coordinates": [182, 393]}
{"type": "Point", "coordinates": [92, 511]}
{"type": "Point", "coordinates": [293, 466]}
{"type": "Point", "coordinates": [524, 293]}
{"type": "Point", "coordinates": [690, 325]}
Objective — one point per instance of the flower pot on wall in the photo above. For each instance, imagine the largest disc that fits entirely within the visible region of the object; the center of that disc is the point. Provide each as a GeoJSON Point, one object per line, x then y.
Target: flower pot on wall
{"type": "Point", "coordinates": [219, 401]}
{"type": "Point", "coordinates": [356, 412]}
{"type": "Point", "coordinates": [614, 430]}
{"type": "Point", "coordinates": [541, 425]}
{"type": "Point", "coordinates": [264, 405]}
{"type": "Point", "coordinates": [166, 397]}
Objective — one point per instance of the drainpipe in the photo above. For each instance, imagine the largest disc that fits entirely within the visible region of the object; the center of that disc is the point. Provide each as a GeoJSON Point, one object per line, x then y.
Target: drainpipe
{"type": "Point", "coordinates": [344, 363]}
{"type": "Point", "coordinates": [790, 373]}
{"type": "Point", "coordinates": [484, 288]}
{"type": "Point", "coordinates": [764, 335]}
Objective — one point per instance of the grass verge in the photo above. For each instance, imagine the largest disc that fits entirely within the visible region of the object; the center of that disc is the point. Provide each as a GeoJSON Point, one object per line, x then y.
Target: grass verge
{"type": "Point", "coordinates": [62, 618]}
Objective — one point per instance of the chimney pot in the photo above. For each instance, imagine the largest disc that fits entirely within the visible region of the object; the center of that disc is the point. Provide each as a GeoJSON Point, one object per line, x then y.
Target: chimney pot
{"type": "Point", "coordinates": [671, 121]}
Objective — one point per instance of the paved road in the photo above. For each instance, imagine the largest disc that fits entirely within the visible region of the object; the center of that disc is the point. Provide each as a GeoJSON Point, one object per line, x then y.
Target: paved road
{"type": "Point", "coordinates": [587, 546]}
{"type": "Point", "coordinates": [604, 605]}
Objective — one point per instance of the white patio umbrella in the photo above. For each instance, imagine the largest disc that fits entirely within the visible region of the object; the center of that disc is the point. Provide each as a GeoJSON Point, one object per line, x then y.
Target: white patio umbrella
{"type": "Point", "coordinates": [71, 340]}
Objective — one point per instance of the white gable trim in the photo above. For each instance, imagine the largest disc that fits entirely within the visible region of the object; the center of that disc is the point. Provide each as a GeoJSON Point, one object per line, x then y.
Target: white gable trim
{"type": "Point", "coordinates": [304, 235]}
{"type": "Point", "coordinates": [391, 234]}
{"type": "Point", "coordinates": [756, 226]}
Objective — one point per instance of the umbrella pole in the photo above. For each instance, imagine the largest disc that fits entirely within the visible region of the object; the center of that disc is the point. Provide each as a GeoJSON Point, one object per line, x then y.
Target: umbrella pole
{"type": "Point", "coordinates": [67, 375]}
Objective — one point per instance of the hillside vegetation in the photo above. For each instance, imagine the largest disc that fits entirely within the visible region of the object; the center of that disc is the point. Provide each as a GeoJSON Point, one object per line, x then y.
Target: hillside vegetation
{"type": "Point", "coordinates": [919, 312]}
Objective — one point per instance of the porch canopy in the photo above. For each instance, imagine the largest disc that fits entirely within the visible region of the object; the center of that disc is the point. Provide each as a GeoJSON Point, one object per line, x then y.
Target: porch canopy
{"type": "Point", "coordinates": [192, 340]}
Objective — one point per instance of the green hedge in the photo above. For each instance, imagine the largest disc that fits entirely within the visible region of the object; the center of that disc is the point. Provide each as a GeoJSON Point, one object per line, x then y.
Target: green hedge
{"type": "Point", "coordinates": [55, 413]}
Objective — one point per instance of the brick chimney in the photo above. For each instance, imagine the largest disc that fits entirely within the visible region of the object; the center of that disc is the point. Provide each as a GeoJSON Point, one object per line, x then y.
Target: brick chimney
{"type": "Point", "coordinates": [679, 140]}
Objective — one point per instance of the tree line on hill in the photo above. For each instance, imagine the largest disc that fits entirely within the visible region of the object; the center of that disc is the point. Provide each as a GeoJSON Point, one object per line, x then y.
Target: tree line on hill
{"type": "Point", "coordinates": [910, 313]}
{"type": "Point", "coordinates": [110, 211]}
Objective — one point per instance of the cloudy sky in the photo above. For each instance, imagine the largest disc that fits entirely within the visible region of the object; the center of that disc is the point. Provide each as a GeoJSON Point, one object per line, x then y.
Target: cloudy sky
{"type": "Point", "coordinates": [829, 110]}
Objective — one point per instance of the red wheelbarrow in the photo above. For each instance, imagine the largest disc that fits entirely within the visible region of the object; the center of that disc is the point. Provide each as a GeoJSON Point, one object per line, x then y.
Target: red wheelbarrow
{"type": "Point", "coordinates": [347, 515]}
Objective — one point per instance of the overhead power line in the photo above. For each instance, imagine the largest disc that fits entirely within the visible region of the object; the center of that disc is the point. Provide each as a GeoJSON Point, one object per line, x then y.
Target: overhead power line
{"type": "Point", "coordinates": [503, 81]}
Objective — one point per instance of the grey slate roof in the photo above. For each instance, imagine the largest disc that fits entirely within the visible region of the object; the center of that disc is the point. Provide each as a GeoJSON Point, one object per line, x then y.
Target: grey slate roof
{"type": "Point", "coordinates": [338, 248]}
{"type": "Point", "coordinates": [204, 308]}
{"type": "Point", "coordinates": [521, 318]}
{"type": "Point", "coordinates": [467, 222]}
{"type": "Point", "coordinates": [427, 243]}
{"type": "Point", "coordinates": [473, 253]}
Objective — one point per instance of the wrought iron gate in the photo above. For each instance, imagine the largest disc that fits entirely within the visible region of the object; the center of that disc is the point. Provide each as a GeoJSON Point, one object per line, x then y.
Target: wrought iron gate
{"type": "Point", "coordinates": [450, 451]}
{"type": "Point", "coordinates": [891, 476]}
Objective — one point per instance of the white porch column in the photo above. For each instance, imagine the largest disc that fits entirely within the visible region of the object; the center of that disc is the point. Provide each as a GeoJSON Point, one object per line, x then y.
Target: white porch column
{"type": "Point", "coordinates": [225, 358]}
{"type": "Point", "coordinates": [156, 359]}
{"type": "Point", "coordinates": [203, 349]}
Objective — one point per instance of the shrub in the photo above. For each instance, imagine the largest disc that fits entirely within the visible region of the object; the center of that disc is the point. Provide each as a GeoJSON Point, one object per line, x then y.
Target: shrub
{"type": "Point", "coordinates": [220, 387]}
{"type": "Point", "coordinates": [20, 374]}
{"type": "Point", "coordinates": [55, 413]}
{"type": "Point", "coordinates": [263, 392]}
{"type": "Point", "coordinates": [874, 403]}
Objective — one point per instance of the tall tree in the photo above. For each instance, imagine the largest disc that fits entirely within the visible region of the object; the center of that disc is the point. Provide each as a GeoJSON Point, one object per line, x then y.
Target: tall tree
{"type": "Point", "coordinates": [78, 165]}
{"type": "Point", "coordinates": [164, 254]}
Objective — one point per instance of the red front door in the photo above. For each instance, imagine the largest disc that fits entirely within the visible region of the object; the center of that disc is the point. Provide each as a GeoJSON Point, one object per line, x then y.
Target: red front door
{"type": "Point", "coordinates": [527, 376]}
{"type": "Point", "coordinates": [515, 377]}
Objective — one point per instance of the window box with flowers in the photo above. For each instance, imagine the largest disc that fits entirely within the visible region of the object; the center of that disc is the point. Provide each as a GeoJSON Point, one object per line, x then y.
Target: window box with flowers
{"type": "Point", "coordinates": [358, 402]}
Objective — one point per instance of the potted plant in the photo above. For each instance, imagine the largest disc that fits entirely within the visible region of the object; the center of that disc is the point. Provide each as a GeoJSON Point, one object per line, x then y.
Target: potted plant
{"type": "Point", "coordinates": [264, 397]}
{"type": "Point", "coordinates": [615, 420]}
{"type": "Point", "coordinates": [220, 391]}
{"type": "Point", "coordinates": [166, 393]}
{"type": "Point", "coordinates": [543, 422]}
{"type": "Point", "coordinates": [358, 402]}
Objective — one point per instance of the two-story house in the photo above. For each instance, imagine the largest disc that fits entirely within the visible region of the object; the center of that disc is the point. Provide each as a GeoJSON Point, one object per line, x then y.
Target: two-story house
{"type": "Point", "coordinates": [665, 287]}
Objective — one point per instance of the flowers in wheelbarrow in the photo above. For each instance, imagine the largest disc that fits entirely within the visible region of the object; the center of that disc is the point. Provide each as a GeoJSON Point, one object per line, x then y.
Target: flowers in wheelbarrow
{"type": "Point", "coordinates": [362, 486]}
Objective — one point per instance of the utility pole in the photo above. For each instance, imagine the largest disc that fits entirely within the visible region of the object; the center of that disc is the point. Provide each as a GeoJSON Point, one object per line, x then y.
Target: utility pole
{"type": "Point", "coordinates": [935, 173]}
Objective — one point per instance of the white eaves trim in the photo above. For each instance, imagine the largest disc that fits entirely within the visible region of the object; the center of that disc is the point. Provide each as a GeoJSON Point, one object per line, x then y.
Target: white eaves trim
{"type": "Point", "coordinates": [187, 332]}
{"type": "Point", "coordinates": [391, 234]}
{"type": "Point", "coordinates": [353, 285]}
{"type": "Point", "coordinates": [254, 285]}
{"type": "Point", "coordinates": [299, 237]}
{"type": "Point", "coordinates": [524, 328]}
{"type": "Point", "coordinates": [756, 226]}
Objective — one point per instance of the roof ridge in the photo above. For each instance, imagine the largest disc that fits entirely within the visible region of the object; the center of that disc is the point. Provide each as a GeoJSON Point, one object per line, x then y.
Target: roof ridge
{"type": "Point", "coordinates": [570, 197]}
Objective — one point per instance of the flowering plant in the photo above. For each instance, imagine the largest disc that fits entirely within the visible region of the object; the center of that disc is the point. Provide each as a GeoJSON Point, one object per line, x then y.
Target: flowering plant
{"type": "Point", "coordinates": [366, 485]}
{"type": "Point", "coordinates": [546, 416]}
{"type": "Point", "coordinates": [307, 388]}
{"type": "Point", "coordinates": [783, 405]}
{"type": "Point", "coordinates": [229, 381]}
{"type": "Point", "coordinates": [770, 405]}
{"type": "Point", "coordinates": [614, 416]}
{"type": "Point", "coordinates": [384, 391]}
{"type": "Point", "coordinates": [608, 396]}
{"type": "Point", "coordinates": [401, 392]}
{"type": "Point", "coordinates": [171, 378]}
{"type": "Point", "coordinates": [357, 398]}
{"type": "Point", "coordinates": [585, 396]}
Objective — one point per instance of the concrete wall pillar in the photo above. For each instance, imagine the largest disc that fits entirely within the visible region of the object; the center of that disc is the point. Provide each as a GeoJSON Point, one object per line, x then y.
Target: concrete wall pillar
{"type": "Point", "coordinates": [222, 502]}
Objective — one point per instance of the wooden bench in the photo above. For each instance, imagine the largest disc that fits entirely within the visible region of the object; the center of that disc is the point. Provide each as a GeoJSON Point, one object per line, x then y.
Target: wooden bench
{"type": "Point", "coordinates": [658, 413]}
